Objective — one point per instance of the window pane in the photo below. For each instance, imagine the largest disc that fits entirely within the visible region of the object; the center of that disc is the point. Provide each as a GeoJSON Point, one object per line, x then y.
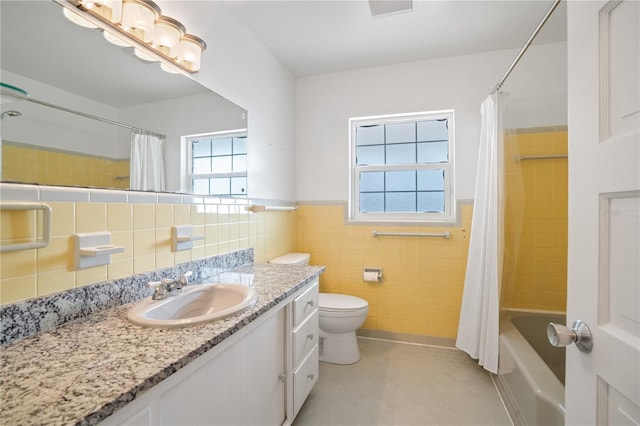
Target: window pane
{"type": "Point", "coordinates": [401, 154]}
{"type": "Point", "coordinates": [371, 202]}
{"type": "Point", "coordinates": [221, 164]}
{"type": "Point", "coordinates": [240, 145]}
{"type": "Point", "coordinates": [240, 163]}
{"type": "Point", "coordinates": [202, 165]}
{"type": "Point", "coordinates": [239, 186]}
{"type": "Point", "coordinates": [431, 180]}
{"type": "Point", "coordinates": [221, 146]}
{"type": "Point", "coordinates": [201, 186]}
{"type": "Point", "coordinates": [370, 155]}
{"type": "Point", "coordinates": [369, 135]}
{"type": "Point", "coordinates": [201, 148]}
{"type": "Point", "coordinates": [433, 130]}
{"type": "Point", "coordinates": [401, 181]}
{"type": "Point", "coordinates": [433, 152]}
{"type": "Point", "coordinates": [220, 186]}
{"type": "Point", "coordinates": [371, 181]}
{"type": "Point", "coordinates": [429, 202]}
{"type": "Point", "coordinates": [401, 132]}
{"type": "Point", "coordinates": [401, 202]}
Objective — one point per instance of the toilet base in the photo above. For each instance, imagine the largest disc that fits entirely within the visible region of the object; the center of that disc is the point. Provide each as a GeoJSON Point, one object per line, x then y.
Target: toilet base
{"type": "Point", "coordinates": [339, 348]}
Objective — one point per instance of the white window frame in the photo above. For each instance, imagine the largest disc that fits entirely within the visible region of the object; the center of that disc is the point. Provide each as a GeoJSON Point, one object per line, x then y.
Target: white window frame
{"type": "Point", "coordinates": [448, 216]}
{"type": "Point", "coordinates": [189, 158]}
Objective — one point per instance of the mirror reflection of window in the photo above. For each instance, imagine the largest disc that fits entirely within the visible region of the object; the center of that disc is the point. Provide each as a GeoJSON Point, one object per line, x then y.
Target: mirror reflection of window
{"type": "Point", "coordinates": [218, 164]}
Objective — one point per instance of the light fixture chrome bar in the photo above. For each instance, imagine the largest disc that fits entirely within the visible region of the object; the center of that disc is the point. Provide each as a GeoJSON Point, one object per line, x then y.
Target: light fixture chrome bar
{"type": "Point", "coordinates": [540, 157]}
{"type": "Point", "coordinates": [445, 234]}
{"type": "Point", "coordinates": [94, 117]}
{"type": "Point", "coordinates": [526, 46]}
{"type": "Point", "coordinates": [77, 6]}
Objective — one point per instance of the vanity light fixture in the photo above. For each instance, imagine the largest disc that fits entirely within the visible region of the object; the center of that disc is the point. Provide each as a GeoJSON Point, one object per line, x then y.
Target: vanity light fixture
{"type": "Point", "coordinates": [141, 25]}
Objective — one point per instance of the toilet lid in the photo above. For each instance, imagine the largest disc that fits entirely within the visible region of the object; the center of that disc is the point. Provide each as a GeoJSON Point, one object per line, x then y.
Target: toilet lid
{"type": "Point", "coordinates": [341, 302]}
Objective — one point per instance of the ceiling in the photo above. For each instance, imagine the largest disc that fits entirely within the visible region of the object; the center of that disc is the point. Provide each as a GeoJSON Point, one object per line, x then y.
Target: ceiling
{"type": "Point", "coordinates": [321, 36]}
{"type": "Point", "coordinates": [308, 36]}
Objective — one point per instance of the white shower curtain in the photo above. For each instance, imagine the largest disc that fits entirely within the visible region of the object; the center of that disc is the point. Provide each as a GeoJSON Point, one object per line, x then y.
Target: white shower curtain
{"type": "Point", "coordinates": [478, 327]}
{"type": "Point", "coordinates": [147, 162]}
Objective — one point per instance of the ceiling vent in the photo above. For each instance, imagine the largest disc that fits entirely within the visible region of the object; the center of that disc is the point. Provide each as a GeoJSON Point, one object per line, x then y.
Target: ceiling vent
{"type": "Point", "coordinates": [389, 7]}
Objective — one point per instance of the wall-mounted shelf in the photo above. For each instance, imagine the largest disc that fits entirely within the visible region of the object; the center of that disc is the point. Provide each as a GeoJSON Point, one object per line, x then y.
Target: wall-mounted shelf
{"type": "Point", "coordinates": [46, 225]}
{"type": "Point", "coordinates": [182, 237]}
{"type": "Point", "coordinates": [94, 249]}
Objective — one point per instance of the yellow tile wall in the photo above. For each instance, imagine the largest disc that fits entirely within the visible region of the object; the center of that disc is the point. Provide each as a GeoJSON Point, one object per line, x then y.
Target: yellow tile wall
{"type": "Point", "coordinates": [536, 231]}
{"type": "Point", "coordinates": [144, 230]}
{"type": "Point", "coordinates": [49, 167]}
{"type": "Point", "coordinates": [423, 278]}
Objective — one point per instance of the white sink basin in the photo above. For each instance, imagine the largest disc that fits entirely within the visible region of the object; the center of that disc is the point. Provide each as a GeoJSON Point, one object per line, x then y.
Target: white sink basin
{"type": "Point", "coordinates": [196, 304]}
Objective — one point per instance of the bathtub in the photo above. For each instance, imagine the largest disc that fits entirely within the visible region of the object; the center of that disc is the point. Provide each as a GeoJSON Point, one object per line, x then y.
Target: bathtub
{"type": "Point", "coordinates": [532, 392]}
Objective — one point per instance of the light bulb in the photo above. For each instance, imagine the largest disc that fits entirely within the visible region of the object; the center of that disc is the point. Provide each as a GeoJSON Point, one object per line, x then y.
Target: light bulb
{"type": "Point", "coordinates": [77, 19]}
{"type": "Point", "coordinates": [138, 18]}
{"type": "Point", "coordinates": [191, 48]}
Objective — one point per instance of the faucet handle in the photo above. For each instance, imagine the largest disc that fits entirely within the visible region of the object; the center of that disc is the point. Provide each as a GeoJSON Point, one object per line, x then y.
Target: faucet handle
{"type": "Point", "coordinates": [184, 280]}
{"type": "Point", "coordinates": [154, 284]}
{"type": "Point", "coordinates": [159, 288]}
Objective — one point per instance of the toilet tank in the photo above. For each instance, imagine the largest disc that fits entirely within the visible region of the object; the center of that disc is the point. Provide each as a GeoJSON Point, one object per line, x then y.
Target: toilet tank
{"type": "Point", "coordinates": [292, 259]}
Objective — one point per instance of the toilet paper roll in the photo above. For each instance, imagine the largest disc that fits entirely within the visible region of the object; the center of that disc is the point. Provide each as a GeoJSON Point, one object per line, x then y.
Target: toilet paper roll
{"type": "Point", "coordinates": [371, 277]}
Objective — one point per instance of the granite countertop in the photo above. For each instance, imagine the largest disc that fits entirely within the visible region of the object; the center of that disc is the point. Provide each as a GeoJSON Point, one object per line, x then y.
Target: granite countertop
{"type": "Point", "coordinates": [85, 370]}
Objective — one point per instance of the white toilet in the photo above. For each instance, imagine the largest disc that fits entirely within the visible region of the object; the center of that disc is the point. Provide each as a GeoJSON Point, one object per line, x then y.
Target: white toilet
{"type": "Point", "coordinates": [340, 317]}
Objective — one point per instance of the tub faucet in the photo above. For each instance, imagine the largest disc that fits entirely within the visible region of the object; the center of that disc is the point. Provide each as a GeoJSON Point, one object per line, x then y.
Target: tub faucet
{"type": "Point", "coordinates": [168, 287]}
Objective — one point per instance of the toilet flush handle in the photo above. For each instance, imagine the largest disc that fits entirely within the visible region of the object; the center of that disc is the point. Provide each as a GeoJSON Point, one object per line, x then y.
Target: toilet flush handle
{"type": "Point", "coordinates": [310, 302]}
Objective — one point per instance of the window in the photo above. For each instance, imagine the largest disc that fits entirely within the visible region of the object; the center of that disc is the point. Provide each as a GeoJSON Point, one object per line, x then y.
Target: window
{"type": "Point", "coordinates": [402, 167]}
{"type": "Point", "coordinates": [218, 164]}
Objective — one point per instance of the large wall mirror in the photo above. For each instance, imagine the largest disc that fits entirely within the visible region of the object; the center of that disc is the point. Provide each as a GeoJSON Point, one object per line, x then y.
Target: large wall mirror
{"type": "Point", "coordinates": [63, 64]}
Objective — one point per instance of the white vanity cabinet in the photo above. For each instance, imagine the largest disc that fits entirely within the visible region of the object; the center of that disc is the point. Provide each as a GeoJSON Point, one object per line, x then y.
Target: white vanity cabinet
{"type": "Point", "coordinates": [261, 375]}
{"type": "Point", "coordinates": [305, 330]}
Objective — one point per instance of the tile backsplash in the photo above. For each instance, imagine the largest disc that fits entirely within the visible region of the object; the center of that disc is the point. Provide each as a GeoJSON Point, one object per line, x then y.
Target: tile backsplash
{"type": "Point", "coordinates": [138, 221]}
{"type": "Point", "coordinates": [23, 319]}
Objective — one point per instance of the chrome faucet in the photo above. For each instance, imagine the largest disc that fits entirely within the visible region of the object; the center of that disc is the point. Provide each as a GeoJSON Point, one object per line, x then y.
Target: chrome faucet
{"type": "Point", "coordinates": [168, 287]}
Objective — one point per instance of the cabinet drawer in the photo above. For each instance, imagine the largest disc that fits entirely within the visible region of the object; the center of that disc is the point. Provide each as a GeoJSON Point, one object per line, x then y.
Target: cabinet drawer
{"type": "Point", "coordinates": [305, 337]}
{"type": "Point", "coordinates": [304, 378]}
{"type": "Point", "coordinates": [305, 304]}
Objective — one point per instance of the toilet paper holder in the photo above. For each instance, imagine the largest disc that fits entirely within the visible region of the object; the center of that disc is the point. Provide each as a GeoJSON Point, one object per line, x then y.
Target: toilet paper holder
{"type": "Point", "coordinates": [372, 274]}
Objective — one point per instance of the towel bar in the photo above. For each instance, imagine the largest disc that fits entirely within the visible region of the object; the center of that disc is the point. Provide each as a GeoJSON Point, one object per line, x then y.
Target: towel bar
{"type": "Point", "coordinates": [445, 234]}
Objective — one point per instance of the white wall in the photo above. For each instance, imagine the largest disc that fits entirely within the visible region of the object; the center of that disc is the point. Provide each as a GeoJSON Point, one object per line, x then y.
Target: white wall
{"type": "Point", "coordinates": [238, 66]}
{"type": "Point", "coordinates": [326, 102]}
{"type": "Point", "coordinates": [47, 127]}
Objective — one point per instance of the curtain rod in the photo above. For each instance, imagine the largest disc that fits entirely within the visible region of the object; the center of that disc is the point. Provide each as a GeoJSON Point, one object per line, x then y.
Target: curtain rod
{"type": "Point", "coordinates": [93, 117]}
{"type": "Point", "coordinates": [526, 45]}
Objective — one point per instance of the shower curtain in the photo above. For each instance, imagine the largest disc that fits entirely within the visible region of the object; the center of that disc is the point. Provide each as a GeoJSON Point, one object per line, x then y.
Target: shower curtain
{"type": "Point", "coordinates": [147, 162]}
{"type": "Point", "coordinates": [479, 315]}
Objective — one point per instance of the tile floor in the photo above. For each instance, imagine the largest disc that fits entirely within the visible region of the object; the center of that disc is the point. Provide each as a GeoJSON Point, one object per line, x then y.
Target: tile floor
{"type": "Point", "coordinates": [402, 384]}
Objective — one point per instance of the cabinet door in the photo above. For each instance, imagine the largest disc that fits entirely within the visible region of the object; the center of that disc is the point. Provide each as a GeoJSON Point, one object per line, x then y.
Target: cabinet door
{"type": "Point", "coordinates": [240, 386]}
{"type": "Point", "coordinates": [264, 373]}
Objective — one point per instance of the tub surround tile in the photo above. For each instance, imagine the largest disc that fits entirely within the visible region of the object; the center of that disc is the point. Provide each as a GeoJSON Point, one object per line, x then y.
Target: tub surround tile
{"type": "Point", "coordinates": [40, 373]}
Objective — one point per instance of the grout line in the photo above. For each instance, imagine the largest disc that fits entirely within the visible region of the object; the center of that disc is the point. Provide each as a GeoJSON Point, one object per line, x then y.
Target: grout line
{"type": "Point", "coordinates": [409, 343]}
{"type": "Point", "coordinates": [495, 385]}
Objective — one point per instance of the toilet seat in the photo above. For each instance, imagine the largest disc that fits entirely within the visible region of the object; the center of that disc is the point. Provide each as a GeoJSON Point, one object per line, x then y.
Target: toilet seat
{"type": "Point", "coordinates": [340, 302]}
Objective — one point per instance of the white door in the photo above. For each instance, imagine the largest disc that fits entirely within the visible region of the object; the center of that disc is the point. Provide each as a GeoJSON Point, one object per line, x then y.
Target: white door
{"type": "Point", "coordinates": [603, 387]}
